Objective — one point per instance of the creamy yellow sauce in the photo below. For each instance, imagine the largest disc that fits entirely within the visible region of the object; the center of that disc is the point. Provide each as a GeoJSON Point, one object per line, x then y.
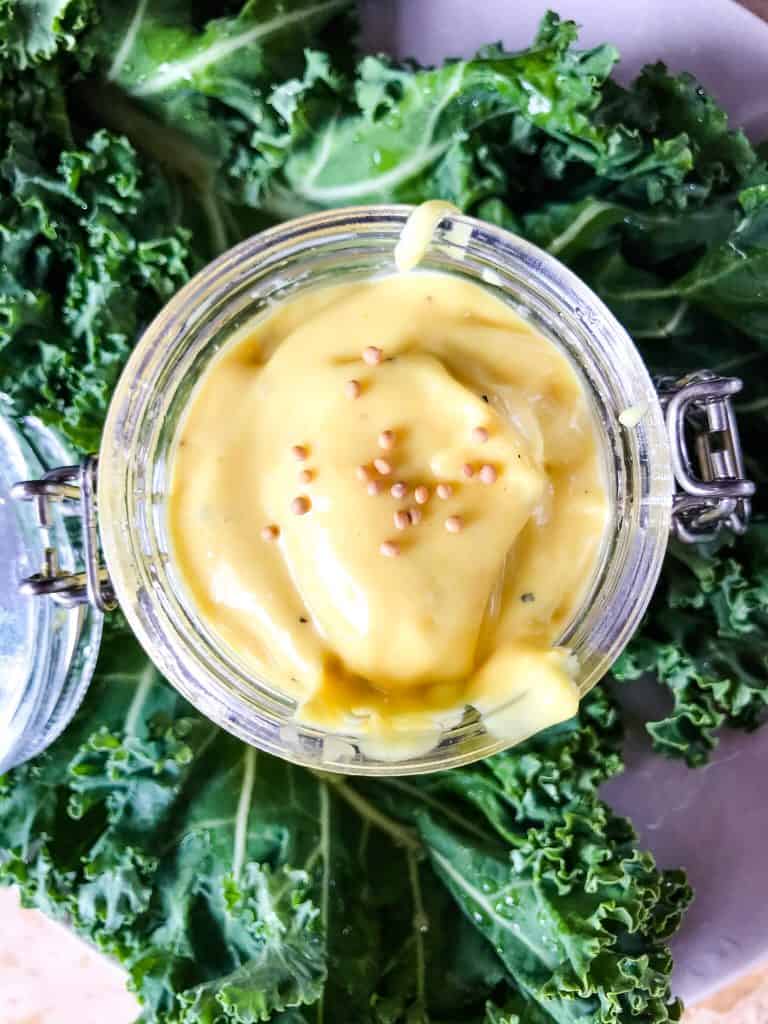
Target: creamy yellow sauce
{"type": "Point", "coordinates": [284, 525]}
{"type": "Point", "coordinates": [417, 234]}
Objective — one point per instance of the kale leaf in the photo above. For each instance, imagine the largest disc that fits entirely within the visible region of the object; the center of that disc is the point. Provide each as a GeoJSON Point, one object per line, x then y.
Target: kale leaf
{"type": "Point", "coordinates": [90, 247]}
{"type": "Point", "coordinates": [236, 887]}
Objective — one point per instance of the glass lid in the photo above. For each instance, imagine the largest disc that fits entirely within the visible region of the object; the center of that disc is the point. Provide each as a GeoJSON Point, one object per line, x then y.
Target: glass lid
{"type": "Point", "coordinates": [47, 652]}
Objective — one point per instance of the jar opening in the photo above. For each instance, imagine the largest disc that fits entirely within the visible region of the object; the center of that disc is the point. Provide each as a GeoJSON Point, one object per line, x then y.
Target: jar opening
{"type": "Point", "coordinates": [169, 360]}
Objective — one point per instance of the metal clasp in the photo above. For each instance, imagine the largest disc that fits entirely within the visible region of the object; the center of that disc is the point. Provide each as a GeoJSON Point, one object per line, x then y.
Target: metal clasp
{"type": "Point", "coordinates": [707, 461]}
{"type": "Point", "coordinates": [74, 485]}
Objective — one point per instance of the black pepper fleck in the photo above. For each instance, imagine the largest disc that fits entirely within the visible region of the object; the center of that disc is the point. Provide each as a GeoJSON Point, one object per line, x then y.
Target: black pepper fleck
{"type": "Point", "coordinates": [302, 619]}
{"type": "Point", "coordinates": [484, 398]}
{"type": "Point", "coordinates": [527, 597]}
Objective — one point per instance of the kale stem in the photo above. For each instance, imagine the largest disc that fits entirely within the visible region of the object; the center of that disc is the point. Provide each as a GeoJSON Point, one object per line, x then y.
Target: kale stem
{"type": "Point", "coordinates": [162, 142]}
{"type": "Point", "coordinates": [400, 834]}
{"type": "Point", "coordinates": [171, 149]}
{"type": "Point", "coordinates": [325, 893]}
{"type": "Point", "coordinates": [420, 925]}
{"type": "Point", "coordinates": [243, 812]}
{"type": "Point", "coordinates": [461, 820]}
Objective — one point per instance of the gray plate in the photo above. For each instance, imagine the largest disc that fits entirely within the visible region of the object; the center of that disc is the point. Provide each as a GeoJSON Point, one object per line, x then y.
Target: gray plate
{"type": "Point", "coordinates": [712, 821]}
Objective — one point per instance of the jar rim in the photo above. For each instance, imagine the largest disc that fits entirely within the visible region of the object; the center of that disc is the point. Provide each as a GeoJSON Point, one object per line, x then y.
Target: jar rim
{"type": "Point", "coordinates": [500, 260]}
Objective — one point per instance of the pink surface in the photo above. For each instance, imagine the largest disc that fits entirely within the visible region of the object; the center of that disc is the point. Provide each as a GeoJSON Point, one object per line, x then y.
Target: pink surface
{"type": "Point", "coordinates": [47, 976]}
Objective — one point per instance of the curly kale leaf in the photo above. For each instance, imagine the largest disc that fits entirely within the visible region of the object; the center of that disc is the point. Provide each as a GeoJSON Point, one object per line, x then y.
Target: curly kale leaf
{"type": "Point", "coordinates": [33, 31]}
{"type": "Point", "coordinates": [236, 887]}
{"type": "Point", "coordinates": [707, 639]}
{"type": "Point", "coordinates": [89, 250]}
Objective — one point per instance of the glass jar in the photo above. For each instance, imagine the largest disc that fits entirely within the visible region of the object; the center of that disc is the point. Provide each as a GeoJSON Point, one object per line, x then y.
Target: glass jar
{"type": "Point", "coordinates": [151, 396]}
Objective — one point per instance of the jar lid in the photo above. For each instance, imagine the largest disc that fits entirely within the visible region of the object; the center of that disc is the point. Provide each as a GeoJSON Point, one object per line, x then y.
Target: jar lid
{"type": "Point", "coordinates": [47, 652]}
